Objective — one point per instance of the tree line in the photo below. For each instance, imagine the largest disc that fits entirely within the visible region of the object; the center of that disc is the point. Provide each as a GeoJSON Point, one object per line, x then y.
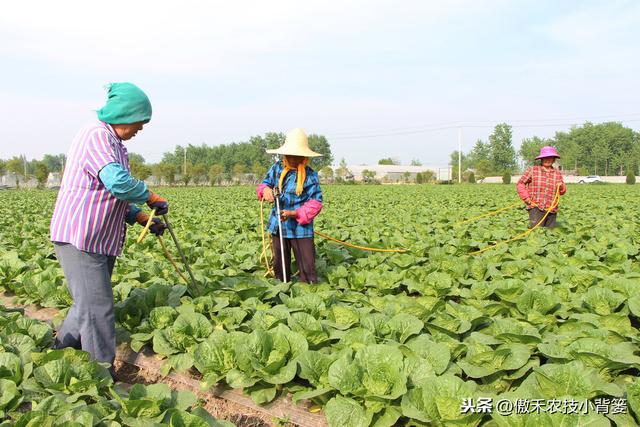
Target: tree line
{"type": "Point", "coordinates": [191, 164]}
{"type": "Point", "coordinates": [39, 169]}
{"type": "Point", "coordinates": [200, 164]}
{"type": "Point", "coordinates": [603, 148]}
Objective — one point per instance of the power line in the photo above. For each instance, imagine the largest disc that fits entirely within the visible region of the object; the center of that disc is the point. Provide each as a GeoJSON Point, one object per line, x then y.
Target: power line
{"type": "Point", "coordinates": [457, 125]}
{"type": "Point", "coordinates": [467, 123]}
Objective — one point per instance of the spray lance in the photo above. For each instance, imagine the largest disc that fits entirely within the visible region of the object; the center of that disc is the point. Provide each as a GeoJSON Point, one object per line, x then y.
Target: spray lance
{"type": "Point", "coordinates": [276, 197]}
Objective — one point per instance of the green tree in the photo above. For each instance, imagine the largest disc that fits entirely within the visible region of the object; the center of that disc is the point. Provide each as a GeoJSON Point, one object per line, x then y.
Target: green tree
{"type": "Point", "coordinates": [246, 153]}
{"type": "Point", "coordinates": [258, 171]}
{"type": "Point", "coordinates": [600, 153]}
{"type": "Point", "coordinates": [326, 173]}
{"type": "Point", "coordinates": [139, 169]}
{"type": "Point", "coordinates": [41, 173]}
{"type": "Point", "coordinates": [631, 177]}
{"type": "Point", "coordinates": [484, 168]}
{"type": "Point", "coordinates": [238, 171]}
{"type": "Point", "coordinates": [454, 164]}
{"type": "Point", "coordinates": [506, 178]}
{"type": "Point", "coordinates": [199, 173]}
{"type": "Point", "coordinates": [530, 149]}
{"type": "Point", "coordinates": [604, 148]}
{"type": "Point", "coordinates": [428, 176]}
{"type": "Point", "coordinates": [3, 167]}
{"type": "Point", "coordinates": [166, 171]}
{"type": "Point", "coordinates": [416, 162]}
{"type": "Point", "coordinates": [54, 162]}
{"type": "Point", "coordinates": [319, 144]}
{"type": "Point", "coordinates": [502, 151]}
{"type": "Point", "coordinates": [471, 178]}
{"type": "Point", "coordinates": [138, 158]}
{"type": "Point", "coordinates": [389, 161]}
{"type": "Point", "coordinates": [187, 173]}
{"type": "Point", "coordinates": [16, 165]}
{"type": "Point", "coordinates": [342, 171]}
{"type": "Point", "coordinates": [480, 154]}
{"type": "Point", "coordinates": [569, 149]}
{"type": "Point", "coordinates": [368, 175]}
{"type": "Point", "coordinates": [215, 174]}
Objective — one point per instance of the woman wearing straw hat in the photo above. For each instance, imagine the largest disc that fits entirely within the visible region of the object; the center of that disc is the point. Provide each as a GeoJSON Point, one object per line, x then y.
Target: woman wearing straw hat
{"type": "Point", "coordinates": [97, 196]}
{"type": "Point", "coordinates": [537, 188]}
{"type": "Point", "coordinates": [300, 202]}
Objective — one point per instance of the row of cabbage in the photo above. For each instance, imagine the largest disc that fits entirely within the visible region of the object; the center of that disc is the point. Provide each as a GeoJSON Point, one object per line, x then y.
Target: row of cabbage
{"type": "Point", "coordinates": [44, 387]}
{"type": "Point", "coordinates": [390, 338]}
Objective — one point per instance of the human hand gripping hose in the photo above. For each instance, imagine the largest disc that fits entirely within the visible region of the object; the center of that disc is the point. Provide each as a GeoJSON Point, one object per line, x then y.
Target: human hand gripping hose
{"type": "Point", "coordinates": [554, 204]}
{"type": "Point", "coordinates": [193, 284]}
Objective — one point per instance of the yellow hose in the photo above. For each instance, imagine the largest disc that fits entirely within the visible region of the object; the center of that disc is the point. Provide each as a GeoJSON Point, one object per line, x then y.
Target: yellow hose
{"type": "Point", "coordinates": [145, 230]}
{"type": "Point", "coordinates": [264, 254]}
{"type": "Point", "coordinates": [554, 204]}
{"type": "Point", "coordinates": [333, 239]}
{"type": "Point", "coordinates": [488, 214]}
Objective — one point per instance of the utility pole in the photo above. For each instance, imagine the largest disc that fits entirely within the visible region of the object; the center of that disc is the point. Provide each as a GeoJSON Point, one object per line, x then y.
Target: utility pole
{"type": "Point", "coordinates": [459, 155]}
{"type": "Point", "coordinates": [184, 168]}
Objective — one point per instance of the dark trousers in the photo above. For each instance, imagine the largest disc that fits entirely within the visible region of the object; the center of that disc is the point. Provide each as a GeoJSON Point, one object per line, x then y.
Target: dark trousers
{"type": "Point", "coordinates": [535, 215]}
{"type": "Point", "coordinates": [305, 252]}
{"type": "Point", "coordinates": [90, 322]}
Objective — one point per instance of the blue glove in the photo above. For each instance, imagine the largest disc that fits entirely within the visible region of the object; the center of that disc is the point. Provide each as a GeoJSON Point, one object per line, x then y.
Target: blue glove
{"type": "Point", "coordinates": [157, 227]}
{"type": "Point", "coordinates": [158, 203]}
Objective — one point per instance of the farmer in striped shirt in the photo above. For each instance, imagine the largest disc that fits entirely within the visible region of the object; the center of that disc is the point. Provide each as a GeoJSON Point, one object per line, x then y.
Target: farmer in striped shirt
{"type": "Point", "coordinates": [97, 196]}
{"type": "Point", "coordinates": [537, 188]}
{"type": "Point", "coordinates": [300, 202]}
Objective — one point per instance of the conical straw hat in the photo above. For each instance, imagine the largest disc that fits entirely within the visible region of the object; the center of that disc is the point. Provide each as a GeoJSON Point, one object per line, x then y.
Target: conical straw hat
{"type": "Point", "coordinates": [295, 144]}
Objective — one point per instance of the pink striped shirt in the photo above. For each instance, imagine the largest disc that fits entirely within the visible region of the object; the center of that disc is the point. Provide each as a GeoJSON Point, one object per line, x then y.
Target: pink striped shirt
{"type": "Point", "coordinates": [86, 215]}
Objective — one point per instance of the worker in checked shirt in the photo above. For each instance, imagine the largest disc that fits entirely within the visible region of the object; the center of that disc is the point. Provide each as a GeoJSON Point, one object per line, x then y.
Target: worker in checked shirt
{"type": "Point", "coordinates": [538, 186]}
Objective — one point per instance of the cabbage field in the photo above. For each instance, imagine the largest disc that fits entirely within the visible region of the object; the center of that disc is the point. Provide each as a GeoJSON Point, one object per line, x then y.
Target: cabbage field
{"type": "Point", "coordinates": [65, 387]}
{"type": "Point", "coordinates": [542, 331]}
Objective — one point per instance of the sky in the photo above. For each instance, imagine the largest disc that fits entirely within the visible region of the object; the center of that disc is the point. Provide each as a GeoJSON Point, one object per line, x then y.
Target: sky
{"type": "Point", "coordinates": [377, 78]}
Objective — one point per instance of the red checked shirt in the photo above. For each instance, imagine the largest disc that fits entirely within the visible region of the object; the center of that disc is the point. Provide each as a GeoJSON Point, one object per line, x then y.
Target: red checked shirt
{"type": "Point", "coordinates": [539, 184]}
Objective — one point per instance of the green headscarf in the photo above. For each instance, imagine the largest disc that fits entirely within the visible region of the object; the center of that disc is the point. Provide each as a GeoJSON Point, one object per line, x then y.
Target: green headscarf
{"type": "Point", "coordinates": [126, 104]}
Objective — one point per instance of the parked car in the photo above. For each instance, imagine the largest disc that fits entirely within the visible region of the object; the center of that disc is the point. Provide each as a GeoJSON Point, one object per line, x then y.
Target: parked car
{"type": "Point", "coordinates": [590, 179]}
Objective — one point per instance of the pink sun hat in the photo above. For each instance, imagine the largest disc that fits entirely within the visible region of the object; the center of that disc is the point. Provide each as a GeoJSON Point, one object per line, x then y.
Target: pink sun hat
{"type": "Point", "coordinates": [548, 151]}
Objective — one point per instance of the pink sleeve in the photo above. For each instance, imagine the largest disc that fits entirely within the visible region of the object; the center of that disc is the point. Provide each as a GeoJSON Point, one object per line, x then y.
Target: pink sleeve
{"type": "Point", "coordinates": [308, 211]}
{"type": "Point", "coordinates": [523, 191]}
{"type": "Point", "coordinates": [260, 189]}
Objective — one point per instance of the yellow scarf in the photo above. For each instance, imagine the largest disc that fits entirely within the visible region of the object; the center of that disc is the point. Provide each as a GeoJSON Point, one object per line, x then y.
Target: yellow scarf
{"type": "Point", "coordinates": [302, 173]}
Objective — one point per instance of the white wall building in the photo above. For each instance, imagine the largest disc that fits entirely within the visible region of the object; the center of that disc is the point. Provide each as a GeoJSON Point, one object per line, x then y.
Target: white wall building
{"type": "Point", "coordinates": [9, 180]}
{"type": "Point", "coordinates": [54, 180]}
{"type": "Point", "coordinates": [395, 173]}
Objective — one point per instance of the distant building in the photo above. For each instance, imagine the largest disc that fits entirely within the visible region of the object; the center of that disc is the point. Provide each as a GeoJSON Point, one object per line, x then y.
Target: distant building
{"type": "Point", "coordinates": [54, 180]}
{"type": "Point", "coordinates": [399, 173]}
{"type": "Point", "coordinates": [9, 180]}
